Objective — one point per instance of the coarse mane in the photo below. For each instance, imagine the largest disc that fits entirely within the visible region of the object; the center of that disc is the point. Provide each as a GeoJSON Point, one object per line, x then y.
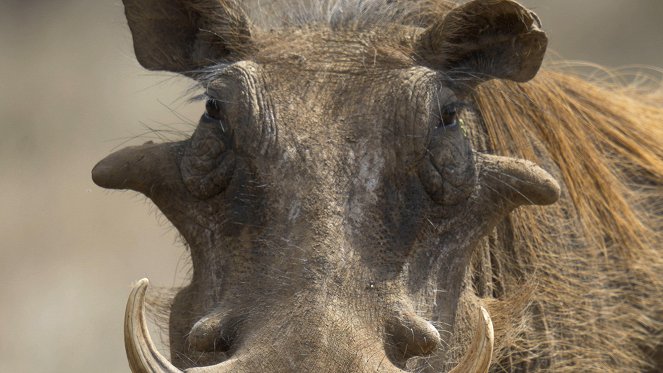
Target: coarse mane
{"type": "Point", "coordinates": [355, 14]}
{"type": "Point", "coordinates": [593, 261]}
{"type": "Point", "coordinates": [579, 283]}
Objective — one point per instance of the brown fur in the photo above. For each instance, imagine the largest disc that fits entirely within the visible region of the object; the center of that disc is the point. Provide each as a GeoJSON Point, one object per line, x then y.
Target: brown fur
{"type": "Point", "coordinates": [594, 260]}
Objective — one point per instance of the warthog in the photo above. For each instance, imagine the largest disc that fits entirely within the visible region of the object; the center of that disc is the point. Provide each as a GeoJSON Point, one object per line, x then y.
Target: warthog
{"type": "Point", "coordinates": [365, 191]}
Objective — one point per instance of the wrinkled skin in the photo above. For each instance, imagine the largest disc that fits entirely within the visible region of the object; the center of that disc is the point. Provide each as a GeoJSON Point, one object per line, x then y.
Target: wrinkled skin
{"type": "Point", "coordinates": [331, 205]}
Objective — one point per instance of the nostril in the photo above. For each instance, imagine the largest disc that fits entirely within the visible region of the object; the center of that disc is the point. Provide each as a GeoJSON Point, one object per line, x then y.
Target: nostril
{"type": "Point", "coordinates": [213, 333]}
{"type": "Point", "coordinates": [410, 335]}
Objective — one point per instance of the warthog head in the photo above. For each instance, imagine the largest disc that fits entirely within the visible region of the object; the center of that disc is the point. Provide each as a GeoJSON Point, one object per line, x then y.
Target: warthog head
{"type": "Point", "coordinates": [335, 189]}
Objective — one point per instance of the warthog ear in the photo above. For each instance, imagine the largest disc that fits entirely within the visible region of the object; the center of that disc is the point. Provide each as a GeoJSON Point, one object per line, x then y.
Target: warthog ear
{"type": "Point", "coordinates": [486, 39]}
{"type": "Point", "coordinates": [185, 35]}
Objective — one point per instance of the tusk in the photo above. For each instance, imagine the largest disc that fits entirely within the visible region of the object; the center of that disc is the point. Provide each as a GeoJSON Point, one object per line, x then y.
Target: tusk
{"type": "Point", "coordinates": [142, 355]}
{"type": "Point", "coordinates": [480, 352]}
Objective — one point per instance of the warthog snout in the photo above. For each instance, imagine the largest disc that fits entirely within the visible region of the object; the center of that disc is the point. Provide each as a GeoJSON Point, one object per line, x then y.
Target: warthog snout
{"type": "Point", "coordinates": [407, 336]}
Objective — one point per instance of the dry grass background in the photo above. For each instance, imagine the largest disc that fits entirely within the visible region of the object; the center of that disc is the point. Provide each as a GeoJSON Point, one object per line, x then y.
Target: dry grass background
{"type": "Point", "coordinates": [71, 92]}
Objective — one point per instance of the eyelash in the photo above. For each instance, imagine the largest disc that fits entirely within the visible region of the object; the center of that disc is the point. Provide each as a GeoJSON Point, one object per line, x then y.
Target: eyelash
{"type": "Point", "coordinates": [212, 108]}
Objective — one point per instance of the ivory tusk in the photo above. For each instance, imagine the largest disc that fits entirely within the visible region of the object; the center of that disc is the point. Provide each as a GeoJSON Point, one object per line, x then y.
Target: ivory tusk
{"type": "Point", "coordinates": [142, 354]}
{"type": "Point", "coordinates": [480, 353]}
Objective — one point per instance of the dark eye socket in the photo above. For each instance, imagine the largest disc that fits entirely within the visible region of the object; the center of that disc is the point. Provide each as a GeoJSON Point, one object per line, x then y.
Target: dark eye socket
{"type": "Point", "coordinates": [449, 115]}
{"type": "Point", "coordinates": [213, 109]}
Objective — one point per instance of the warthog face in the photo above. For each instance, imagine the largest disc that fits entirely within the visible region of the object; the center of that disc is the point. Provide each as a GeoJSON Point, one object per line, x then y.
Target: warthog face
{"type": "Point", "coordinates": [330, 196]}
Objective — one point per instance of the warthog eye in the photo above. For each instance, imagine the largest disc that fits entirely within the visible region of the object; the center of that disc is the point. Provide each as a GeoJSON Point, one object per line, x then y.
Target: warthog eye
{"type": "Point", "coordinates": [450, 114]}
{"type": "Point", "coordinates": [213, 109]}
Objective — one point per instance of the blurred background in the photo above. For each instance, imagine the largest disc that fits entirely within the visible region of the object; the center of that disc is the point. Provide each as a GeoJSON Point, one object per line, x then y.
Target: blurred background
{"type": "Point", "coordinates": [70, 93]}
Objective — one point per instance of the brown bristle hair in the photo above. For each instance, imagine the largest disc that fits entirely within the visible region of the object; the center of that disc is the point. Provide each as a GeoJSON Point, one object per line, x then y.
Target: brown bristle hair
{"type": "Point", "coordinates": [593, 260]}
